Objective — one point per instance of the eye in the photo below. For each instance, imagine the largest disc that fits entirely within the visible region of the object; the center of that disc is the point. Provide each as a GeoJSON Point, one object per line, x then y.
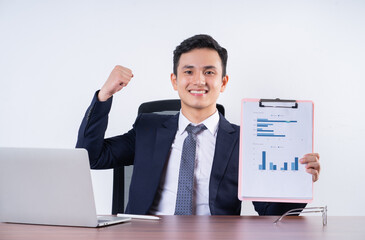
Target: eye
{"type": "Point", "coordinates": [189, 72]}
{"type": "Point", "coordinates": [209, 73]}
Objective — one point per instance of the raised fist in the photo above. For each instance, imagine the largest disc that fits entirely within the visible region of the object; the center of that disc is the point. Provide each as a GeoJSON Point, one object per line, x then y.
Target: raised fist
{"type": "Point", "coordinates": [118, 79]}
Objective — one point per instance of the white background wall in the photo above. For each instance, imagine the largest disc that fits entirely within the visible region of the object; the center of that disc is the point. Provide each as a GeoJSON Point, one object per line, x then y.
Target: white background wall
{"type": "Point", "coordinates": [55, 54]}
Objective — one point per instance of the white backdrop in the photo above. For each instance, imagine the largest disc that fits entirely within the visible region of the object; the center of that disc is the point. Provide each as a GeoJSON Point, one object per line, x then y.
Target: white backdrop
{"type": "Point", "coordinates": [55, 54]}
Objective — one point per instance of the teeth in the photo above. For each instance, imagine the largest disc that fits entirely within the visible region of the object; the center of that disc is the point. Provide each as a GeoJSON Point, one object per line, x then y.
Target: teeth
{"type": "Point", "coordinates": [197, 92]}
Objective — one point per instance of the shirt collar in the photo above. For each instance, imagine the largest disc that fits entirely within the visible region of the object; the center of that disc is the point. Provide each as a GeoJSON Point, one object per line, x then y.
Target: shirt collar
{"type": "Point", "coordinates": [211, 123]}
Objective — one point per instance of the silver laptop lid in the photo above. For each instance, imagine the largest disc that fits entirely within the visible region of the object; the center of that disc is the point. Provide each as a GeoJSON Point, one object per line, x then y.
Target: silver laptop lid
{"type": "Point", "coordinates": [46, 186]}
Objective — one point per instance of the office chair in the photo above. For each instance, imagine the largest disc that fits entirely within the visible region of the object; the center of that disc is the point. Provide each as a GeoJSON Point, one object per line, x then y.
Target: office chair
{"type": "Point", "coordinates": [169, 107]}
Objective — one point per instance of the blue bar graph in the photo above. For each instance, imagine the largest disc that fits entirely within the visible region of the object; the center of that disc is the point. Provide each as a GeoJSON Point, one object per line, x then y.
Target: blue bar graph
{"type": "Point", "coordinates": [265, 120]}
{"type": "Point", "coordinates": [263, 130]}
{"type": "Point", "coordinates": [295, 165]}
{"type": "Point", "coordinates": [263, 165]}
{"type": "Point", "coordinates": [264, 124]}
{"type": "Point", "coordinates": [273, 167]}
{"type": "Point", "coordinates": [268, 135]}
{"type": "Point", "coordinates": [285, 168]}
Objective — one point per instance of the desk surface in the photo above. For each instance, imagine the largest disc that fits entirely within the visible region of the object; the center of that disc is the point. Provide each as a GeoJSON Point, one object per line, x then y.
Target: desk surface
{"type": "Point", "coordinates": [200, 227]}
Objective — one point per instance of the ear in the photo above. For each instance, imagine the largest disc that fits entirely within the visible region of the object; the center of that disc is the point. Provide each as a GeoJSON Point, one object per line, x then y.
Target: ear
{"type": "Point", "coordinates": [224, 83]}
{"type": "Point", "coordinates": [174, 81]}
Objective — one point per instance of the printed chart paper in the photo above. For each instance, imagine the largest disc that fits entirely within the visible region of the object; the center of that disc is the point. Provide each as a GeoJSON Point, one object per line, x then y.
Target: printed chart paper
{"type": "Point", "coordinates": [273, 139]}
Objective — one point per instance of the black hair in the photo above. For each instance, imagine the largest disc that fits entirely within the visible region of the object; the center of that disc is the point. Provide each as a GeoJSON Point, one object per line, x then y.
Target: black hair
{"type": "Point", "coordinates": [198, 42]}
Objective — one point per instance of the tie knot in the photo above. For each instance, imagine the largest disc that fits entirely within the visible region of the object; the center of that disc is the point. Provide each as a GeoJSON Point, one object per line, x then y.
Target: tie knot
{"type": "Point", "coordinates": [195, 129]}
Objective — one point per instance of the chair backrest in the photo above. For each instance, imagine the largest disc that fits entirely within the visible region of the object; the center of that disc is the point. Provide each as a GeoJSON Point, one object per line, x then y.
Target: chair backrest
{"type": "Point", "coordinates": [121, 176]}
{"type": "Point", "coordinates": [170, 106]}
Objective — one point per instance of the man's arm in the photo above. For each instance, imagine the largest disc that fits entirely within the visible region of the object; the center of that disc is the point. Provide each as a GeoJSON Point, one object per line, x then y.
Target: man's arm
{"type": "Point", "coordinates": [111, 152]}
{"type": "Point", "coordinates": [273, 208]}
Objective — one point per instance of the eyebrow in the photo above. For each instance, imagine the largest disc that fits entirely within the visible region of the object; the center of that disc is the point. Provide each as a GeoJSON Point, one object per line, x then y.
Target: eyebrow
{"type": "Point", "coordinates": [205, 67]}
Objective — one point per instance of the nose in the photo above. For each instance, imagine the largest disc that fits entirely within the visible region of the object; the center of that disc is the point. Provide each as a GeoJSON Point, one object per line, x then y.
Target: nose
{"type": "Point", "coordinates": [199, 79]}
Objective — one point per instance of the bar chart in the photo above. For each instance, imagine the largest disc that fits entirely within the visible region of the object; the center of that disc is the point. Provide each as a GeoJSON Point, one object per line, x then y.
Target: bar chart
{"type": "Point", "coordinates": [266, 127]}
{"type": "Point", "coordinates": [273, 167]}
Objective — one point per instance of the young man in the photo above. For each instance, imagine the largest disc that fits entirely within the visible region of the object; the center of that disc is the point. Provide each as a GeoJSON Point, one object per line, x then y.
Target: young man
{"type": "Point", "coordinates": [158, 143]}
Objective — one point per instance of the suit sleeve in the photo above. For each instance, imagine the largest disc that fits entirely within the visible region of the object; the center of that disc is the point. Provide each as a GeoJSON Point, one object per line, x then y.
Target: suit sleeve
{"type": "Point", "coordinates": [104, 153]}
{"type": "Point", "coordinates": [272, 208]}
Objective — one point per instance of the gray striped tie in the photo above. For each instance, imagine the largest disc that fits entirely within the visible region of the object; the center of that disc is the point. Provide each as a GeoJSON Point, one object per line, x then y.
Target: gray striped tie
{"type": "Point", "coordinates": [184, 199]}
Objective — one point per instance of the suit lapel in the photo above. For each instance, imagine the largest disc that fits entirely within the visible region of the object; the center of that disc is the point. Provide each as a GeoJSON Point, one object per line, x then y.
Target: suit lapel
{"type": "Point", "coordinates": [224, 145]}
{"type": "Point", "coordinates": [153, 165]}
{"type": "Point", "coordinates": [165, 135]}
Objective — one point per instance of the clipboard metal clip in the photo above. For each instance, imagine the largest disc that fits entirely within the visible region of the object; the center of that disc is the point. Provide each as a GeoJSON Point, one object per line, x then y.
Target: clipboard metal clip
{"type": "Point", "coordinates": [278, 103]}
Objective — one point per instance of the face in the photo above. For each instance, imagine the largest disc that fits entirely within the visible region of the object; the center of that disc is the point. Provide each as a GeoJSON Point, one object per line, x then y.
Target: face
{"type": "Point", "coordinates": [199, 80]}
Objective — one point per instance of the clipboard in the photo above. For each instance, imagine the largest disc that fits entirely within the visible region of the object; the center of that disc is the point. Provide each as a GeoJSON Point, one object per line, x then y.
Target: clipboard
{"type": "Point", "coordinates": [274, 135]}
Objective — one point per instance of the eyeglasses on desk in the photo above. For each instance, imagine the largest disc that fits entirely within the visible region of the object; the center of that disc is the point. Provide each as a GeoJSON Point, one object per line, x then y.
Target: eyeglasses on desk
{"type": "Point", "coordinates": [322, 210]}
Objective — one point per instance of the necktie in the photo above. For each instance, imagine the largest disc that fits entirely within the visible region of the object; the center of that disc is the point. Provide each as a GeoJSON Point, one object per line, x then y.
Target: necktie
{"type": "Point", "coordinates": [184, 199]}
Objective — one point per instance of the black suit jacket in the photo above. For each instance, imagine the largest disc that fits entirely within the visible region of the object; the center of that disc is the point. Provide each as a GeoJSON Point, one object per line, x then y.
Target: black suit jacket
{"type": "Point", "coordinates": [147, 146]}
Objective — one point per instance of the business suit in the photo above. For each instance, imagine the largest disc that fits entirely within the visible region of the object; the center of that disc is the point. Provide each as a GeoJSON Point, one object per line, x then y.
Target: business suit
{"type": "Point", "coordinates": [147, 146]}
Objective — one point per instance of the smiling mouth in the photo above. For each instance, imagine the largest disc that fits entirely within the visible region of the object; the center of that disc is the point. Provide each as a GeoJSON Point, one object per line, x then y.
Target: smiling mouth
{"type": "Point", "coordinates": [198, 91]}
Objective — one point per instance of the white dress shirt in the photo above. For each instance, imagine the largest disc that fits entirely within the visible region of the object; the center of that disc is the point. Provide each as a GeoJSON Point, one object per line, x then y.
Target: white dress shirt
{"type": "Point", "coordinates": [165, 200]}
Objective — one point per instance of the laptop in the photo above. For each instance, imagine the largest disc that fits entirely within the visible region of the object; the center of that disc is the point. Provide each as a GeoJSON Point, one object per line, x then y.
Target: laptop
{"type": "Point", "coordinates": [50, 187]}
